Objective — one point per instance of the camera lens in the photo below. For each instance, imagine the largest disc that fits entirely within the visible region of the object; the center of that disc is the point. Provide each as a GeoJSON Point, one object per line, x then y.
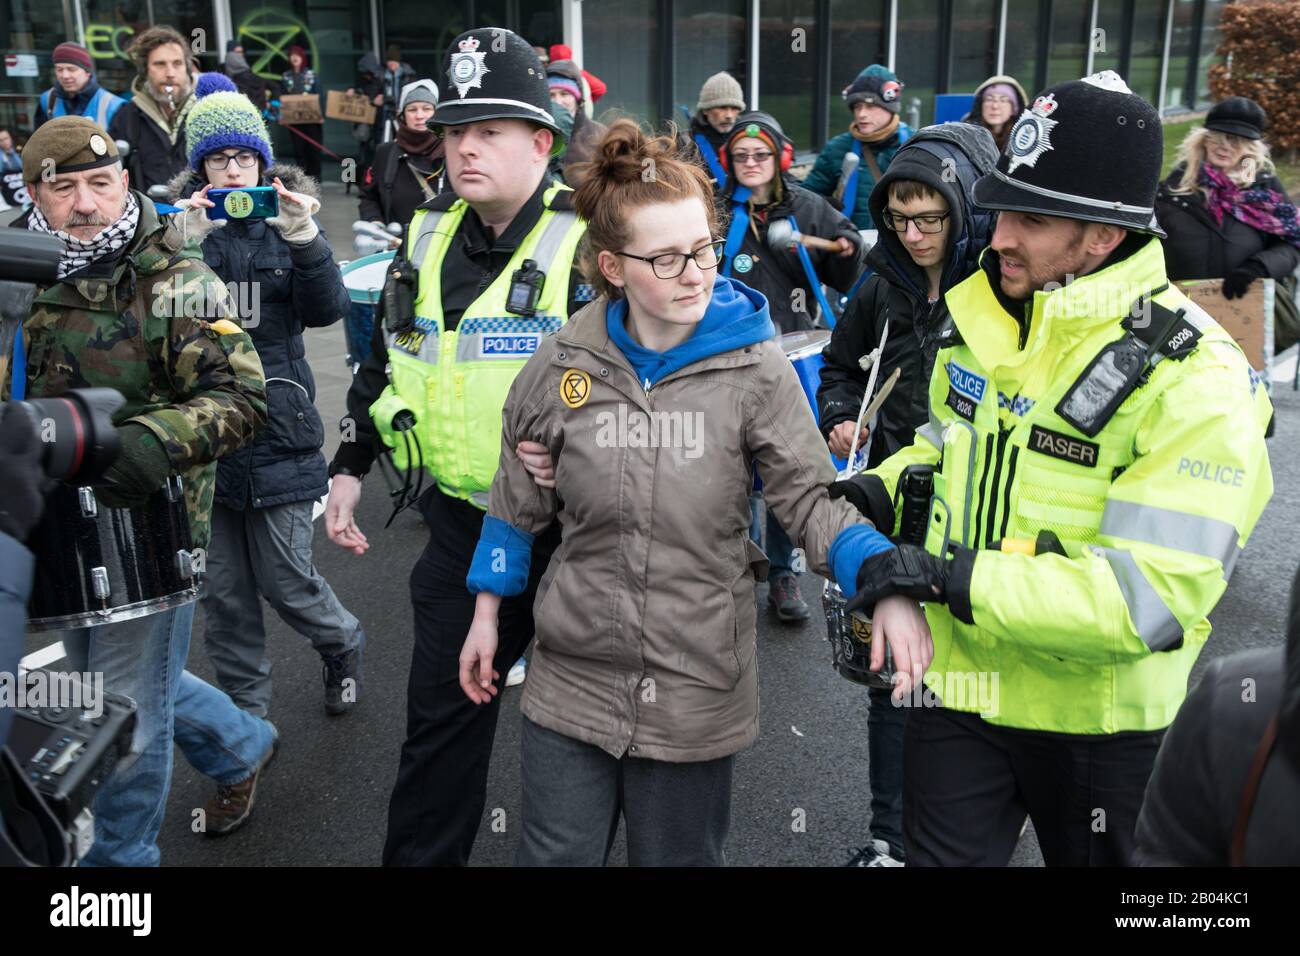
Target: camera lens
{"type": "Point", "coordinates": [77, 431]}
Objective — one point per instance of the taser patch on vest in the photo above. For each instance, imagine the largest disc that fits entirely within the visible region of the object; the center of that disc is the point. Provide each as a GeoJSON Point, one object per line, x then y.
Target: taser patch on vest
{"type": "Point", "coordinates": [1066, 448]}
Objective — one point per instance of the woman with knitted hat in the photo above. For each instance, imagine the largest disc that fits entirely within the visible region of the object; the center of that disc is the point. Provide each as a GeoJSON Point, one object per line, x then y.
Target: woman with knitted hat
{"type": "Point", "coordinates": [569, 95]}
{"type": "Point", "coordinates": [300, 80]}
{"type": "Point", "coordinates": [1228, 215]}
{"type": "Point", "coordinates": [875, 98]}
{"type": "Point", "coordinates": [999, 101]}
{"type": "Point", "coordinates": [760, 192]}
{"type": "Point", "coordinates": [283, 279]}
{"type": "Point", "coordinates": [409, 170]}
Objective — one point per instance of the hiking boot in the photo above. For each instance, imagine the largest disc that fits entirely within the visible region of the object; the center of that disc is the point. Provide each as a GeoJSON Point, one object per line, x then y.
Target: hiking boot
{"type": "Point", "coordinates": [342, 676]}
{"type": "Point", "coordinates": [877, 854]}
{"type": "Point", "coordinates": [233, 805]}
{"type": "Point", "coordinates": [784, 599]}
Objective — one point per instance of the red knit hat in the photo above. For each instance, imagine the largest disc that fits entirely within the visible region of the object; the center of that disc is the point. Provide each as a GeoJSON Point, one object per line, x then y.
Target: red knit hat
{"type": "Point", "coordinates": [74, 54]}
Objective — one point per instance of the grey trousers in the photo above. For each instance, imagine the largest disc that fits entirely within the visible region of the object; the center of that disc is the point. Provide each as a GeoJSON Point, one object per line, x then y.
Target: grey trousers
{"type": "Point", "coordinates": [266, 553]}
{"type": "Point", "coordinates": [677, 814]}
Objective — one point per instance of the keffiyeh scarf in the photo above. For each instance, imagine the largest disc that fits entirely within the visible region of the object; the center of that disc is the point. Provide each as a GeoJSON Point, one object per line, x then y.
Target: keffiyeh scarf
{"type": "Point", "coordinates": [79, 253]}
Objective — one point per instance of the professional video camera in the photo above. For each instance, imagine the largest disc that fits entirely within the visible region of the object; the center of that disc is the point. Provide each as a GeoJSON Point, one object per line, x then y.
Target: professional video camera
{"type": "Point", "coordinates": [63, 744]}
{"type": "Point", "coordinates": [76, 429]}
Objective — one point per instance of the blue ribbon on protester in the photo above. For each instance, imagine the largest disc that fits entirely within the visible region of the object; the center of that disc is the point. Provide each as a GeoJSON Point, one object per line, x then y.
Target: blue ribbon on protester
{"type": "Point", "coordinates": [813, 281]}
{"type": "Point", "coordinates": [711, 160]}
{"type": "Point", "coordinates": [736, 231]}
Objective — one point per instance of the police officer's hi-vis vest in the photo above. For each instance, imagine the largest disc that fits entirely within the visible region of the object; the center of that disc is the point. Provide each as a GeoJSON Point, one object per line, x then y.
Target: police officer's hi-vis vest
{"type": "Point", "coordinates": [1151, 507]}
{"type": "Point", "coordinates": [455, 382]}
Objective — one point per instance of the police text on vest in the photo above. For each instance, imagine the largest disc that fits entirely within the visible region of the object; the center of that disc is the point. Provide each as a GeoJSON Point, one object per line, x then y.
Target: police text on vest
{"type": "Point", "coordinates": [1209, 471]}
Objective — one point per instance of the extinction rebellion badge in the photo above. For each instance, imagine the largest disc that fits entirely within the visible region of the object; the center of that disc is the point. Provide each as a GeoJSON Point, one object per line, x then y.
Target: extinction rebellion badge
{"type": "Point", "coordinates": [1032, 134]}
{"type": "Point", "coordinates": [744, 263]}
{"type": "Point", "coordinates": [467, 66]}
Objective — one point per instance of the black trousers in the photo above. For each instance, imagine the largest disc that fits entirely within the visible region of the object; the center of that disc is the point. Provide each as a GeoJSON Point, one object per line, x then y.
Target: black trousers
{"type": "Point", "coordinates": [967, 786]}
{"type": "Point", "coordinates": [437, 802]}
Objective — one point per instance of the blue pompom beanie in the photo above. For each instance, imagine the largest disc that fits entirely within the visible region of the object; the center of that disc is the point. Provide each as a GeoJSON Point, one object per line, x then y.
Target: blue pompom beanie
{"type": "Point", "coordinates": [221, 119]}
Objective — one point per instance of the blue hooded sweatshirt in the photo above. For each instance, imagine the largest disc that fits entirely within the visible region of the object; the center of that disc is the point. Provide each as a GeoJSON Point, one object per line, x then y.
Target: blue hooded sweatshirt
{"type": "Point", "coordinates": [737, 316]}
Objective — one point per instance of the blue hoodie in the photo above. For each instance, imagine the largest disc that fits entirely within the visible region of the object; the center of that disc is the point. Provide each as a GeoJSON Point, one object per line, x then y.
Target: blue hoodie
{"type": "Point", "coordinates": [737, 316]}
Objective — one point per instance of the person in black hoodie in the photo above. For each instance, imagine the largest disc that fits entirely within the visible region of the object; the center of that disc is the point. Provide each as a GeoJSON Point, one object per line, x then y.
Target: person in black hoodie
{"type": "Point", "coordinates": [1226, 782]}
{"type": "Point", "coordinates": [930, 239]}
{"type": "Point", "coordinates": [756, 157]}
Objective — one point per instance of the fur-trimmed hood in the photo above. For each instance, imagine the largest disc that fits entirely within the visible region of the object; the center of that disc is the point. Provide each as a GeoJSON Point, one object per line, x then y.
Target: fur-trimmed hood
{"type": "Point", "coordinates": [187, 182]}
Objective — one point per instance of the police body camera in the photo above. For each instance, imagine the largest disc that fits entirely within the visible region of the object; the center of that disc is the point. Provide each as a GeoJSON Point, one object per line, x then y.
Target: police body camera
{"type": "Point", "coordinates": [525, 289]}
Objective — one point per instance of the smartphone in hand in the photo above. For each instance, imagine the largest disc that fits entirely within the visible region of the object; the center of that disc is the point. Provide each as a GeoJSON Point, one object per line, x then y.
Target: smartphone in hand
{"type": "Point", "coordinates": [244, 202]}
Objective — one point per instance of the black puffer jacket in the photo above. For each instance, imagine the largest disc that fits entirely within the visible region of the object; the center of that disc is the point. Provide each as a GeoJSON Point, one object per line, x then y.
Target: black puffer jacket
{"type": "Point", "coordinates": [1198, 248]}
{"type": "Point", "coordinates": [778, 272]}
{"type": "Point", "coordinates": [295, 288]}
{"type": "Point", "coordinates": [1194, 794]}
{"type": "Point", "coordinates": [898, 290]}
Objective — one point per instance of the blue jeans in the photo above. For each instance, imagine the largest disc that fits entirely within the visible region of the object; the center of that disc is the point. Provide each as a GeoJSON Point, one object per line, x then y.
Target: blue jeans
{"type": "Point", "coordinates": [779, 549]}
{"type": "Point", "coordinates": [144, 659]}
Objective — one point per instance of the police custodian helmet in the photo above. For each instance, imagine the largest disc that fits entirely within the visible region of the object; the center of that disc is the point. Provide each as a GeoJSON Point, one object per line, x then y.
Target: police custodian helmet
{"type": "Point", "coordinates": [1088, 149]}
{"type": "Point", "coordinates": [493, 73]}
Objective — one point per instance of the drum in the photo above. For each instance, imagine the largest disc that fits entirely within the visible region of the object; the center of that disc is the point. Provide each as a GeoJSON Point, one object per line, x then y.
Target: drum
{"type": "Point", "coordinates": [98, 565]}
{"type": "Point", "coordinates": [850, 637]}
{"type": "Point", "coordinates": [804, 350]}
{"type": "Point", "coordinates": [364, 279]}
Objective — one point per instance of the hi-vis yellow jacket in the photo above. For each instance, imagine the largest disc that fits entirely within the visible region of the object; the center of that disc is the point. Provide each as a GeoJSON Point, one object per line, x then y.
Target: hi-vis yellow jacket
{"type": "Point", "coordinates": [455, 382]}
{"type": "Point", "coordinates": [1153, 511]}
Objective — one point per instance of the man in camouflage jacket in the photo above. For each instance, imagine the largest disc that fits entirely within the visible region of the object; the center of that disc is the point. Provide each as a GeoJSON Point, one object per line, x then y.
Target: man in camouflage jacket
{"type": "Point", "coordinates": [136, 309]}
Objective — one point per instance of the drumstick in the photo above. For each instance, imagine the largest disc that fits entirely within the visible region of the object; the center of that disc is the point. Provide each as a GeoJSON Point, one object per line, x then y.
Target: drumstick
{"type": "Point", "coordinates": [862, 411]}
{"type": "Point", "coordinates": [781, 234]}
{"type": "Point", "coordinates": [816, 242]}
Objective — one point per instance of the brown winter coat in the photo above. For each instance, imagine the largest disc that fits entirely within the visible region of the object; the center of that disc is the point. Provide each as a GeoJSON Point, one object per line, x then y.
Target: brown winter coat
{"type": "Point", "coordinates": [645, 618]}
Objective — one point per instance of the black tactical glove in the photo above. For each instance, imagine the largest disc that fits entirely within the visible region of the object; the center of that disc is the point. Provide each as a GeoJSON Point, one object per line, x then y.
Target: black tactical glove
{"type": "Point", "coordinates": [139, 471]}
{"type": "Point", "coordinates": [22, 478]}
{"type": "Point", "coordinates": [1239, 279]}
{"type": "Point", "coordinates": [867, 493]}
{"type": "Point", "coordinates": [915, 573]}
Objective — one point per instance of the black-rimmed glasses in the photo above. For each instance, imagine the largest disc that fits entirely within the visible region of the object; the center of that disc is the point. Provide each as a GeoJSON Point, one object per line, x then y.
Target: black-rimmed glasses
{"type": "Point", "coordinates": [930, 223]}
{"type": "Point", "coordinates": [669, 265]}
{"type": "Point", "coordinates": [222, 160]}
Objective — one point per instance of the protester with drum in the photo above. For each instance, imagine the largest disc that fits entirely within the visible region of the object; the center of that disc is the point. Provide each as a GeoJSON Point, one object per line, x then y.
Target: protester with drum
{"type": "Point", "coordinates": [784, 242]}
{"type": "Point", "coordinates": [122, 316]}
{"type": "Point", "coordinates": [262, 516]}
{"type": "Point", "coordinates": [931, 235]}
{"type": "Point", "coordinates": [653, 402]}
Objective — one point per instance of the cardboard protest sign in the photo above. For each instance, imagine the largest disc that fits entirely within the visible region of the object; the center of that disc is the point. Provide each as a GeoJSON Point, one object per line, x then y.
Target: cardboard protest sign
{"type": "Point", "coordinates": [353, 108]}
{"type": "Point", "coordinates": [1248, 319]}
{"type": "Point", "coordinates": [300, 109]}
